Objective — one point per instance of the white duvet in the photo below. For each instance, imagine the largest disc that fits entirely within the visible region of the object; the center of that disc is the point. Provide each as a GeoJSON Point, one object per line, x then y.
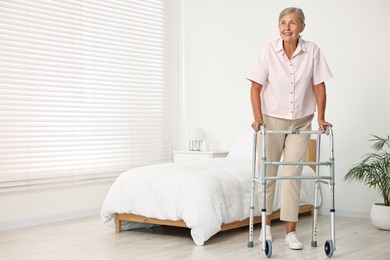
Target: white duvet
{"type": "Point", "coordinates": [204, 194]}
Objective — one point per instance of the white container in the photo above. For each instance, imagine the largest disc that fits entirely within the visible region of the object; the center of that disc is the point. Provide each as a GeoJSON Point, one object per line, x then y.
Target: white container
{"type": "Point", "coordinates": [380, 216]}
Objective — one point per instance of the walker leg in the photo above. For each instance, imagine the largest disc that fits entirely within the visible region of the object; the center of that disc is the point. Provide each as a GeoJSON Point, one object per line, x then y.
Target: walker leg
{"type": "Point", "coordinates": [330, 245]}
{"type": "Point", "coordinates": [251, 213]}
{"type": "Point", "coordinates": [332, 183]}
{"type": "Point", "coordinates": [252, 206]}
{"type": "Point", "coordinates": [332, 217]}
{"type": "Point", "coordinates": [316, 190]}
{"type": "Point", "coordinates": [315, 216]}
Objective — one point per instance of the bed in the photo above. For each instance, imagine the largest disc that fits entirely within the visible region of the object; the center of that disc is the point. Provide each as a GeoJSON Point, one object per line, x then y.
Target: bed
{"type": "Point", "coordinates": [206, 196]}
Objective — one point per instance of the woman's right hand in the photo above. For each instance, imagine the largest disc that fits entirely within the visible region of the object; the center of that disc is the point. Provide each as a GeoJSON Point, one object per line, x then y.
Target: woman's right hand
{"type": "Point", "coordinates": [256, 125]}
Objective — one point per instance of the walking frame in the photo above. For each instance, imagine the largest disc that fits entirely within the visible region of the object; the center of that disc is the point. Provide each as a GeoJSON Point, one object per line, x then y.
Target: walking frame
{"type": "Point", "coordinates": [330, 245]}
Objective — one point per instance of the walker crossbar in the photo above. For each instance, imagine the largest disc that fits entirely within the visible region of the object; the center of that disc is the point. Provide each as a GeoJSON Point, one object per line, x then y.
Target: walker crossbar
{"type": "Point", "coordinates": [296, 131]}
{"type": "Point", "coordinates": [297, 163]}
{"type": "Point", "coordinates": [295, 178]}
{"type": "Point", "coordinates": [330, 245]}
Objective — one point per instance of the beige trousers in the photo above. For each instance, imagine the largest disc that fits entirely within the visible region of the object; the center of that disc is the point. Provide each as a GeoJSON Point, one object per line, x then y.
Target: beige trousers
{"type": "Point", "coordinates": [293, 147]}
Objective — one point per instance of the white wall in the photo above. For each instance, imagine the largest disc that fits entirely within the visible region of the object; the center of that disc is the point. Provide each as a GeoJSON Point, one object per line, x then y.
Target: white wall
{"type": "Point", "coordinates": [44, 205]}
{"type": "Point", "coordinates": [220, 40]}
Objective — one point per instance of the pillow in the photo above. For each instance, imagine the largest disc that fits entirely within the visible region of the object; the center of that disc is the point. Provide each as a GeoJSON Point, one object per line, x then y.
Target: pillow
{"type": "Point", "coordinates": [243, 144]}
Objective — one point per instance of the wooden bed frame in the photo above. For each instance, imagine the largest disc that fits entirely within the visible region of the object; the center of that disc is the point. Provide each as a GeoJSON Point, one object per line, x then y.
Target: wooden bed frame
{"type": "Point", "coordinates": [303, 209]}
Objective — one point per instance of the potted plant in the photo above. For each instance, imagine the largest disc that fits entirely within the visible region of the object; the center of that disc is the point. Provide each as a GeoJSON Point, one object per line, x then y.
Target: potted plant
{"type": "Point", "coordinates": [374, 170]}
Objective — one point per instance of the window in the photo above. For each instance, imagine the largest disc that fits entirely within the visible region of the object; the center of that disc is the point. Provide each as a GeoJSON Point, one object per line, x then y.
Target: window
{"type": "Point", "coordinates": [83, 89]}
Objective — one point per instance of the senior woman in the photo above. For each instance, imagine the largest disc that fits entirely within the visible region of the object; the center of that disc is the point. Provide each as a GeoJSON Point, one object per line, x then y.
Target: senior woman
{"type": "Point", "coordinates": [287, 84]}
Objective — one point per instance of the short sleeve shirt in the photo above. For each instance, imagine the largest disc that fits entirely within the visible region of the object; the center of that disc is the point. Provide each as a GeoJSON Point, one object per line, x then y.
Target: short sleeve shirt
{"type": "Point", "coordinates": [288, 84]}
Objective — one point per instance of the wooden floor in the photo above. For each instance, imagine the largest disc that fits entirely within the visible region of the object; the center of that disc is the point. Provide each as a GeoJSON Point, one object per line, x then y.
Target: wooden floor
{"type": "Point", "coordinates": [88, 238]}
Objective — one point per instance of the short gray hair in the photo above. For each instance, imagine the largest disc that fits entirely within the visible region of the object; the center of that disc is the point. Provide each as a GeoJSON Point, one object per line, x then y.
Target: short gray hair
{"type": "Point", "coordinates": [290, 10]}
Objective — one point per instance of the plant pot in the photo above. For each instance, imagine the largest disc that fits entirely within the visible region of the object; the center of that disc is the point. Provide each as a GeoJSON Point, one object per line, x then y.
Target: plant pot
{"type": "Point", "coordinates": [380, 216]}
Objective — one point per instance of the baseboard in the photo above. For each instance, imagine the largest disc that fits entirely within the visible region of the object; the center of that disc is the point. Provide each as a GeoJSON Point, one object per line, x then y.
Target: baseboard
{"type": "Point", "coordinates": [347, 213]}
{"type": "Point", "coordinates": [29, 222]}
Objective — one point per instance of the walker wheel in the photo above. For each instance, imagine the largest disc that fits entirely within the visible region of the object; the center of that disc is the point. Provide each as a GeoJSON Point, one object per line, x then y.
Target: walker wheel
{"type": "Point", "coordinates": [329, 249]}
{"type": "Point", "coordinates": [268, 248]}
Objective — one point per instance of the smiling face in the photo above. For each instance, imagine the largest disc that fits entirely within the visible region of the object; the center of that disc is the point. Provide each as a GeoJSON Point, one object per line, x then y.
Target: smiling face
{"type": "Point", "coordinates": [290, 26]}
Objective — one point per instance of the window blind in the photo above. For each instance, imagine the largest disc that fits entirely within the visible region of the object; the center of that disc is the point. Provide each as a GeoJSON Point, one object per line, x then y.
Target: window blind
{"type": "Point", "coordinates": [83, 89]}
